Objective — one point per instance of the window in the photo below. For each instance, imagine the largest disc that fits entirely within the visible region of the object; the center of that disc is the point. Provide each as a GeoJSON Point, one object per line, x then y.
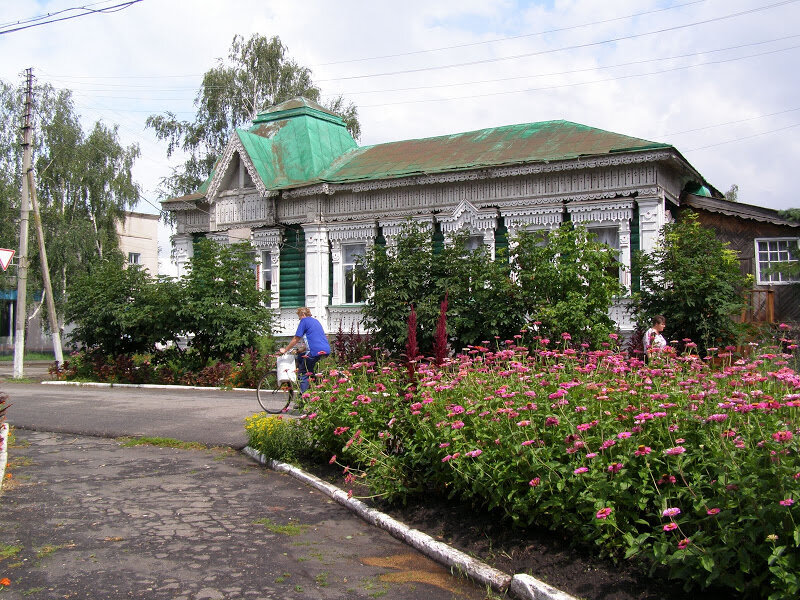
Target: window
{"type": "Point", "coordinates": [473, 242]}
{"type": "Point", "coordinates": [771, 255]}
{"type": "Point", "coordinates": [353, 289]}
{"type": "Point", "coordinates": [134, 258]}
{"type": "Point", "coordinates": [266, 271]}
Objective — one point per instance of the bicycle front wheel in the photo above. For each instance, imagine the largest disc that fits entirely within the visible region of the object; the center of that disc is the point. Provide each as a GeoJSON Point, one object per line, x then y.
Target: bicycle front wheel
{"type": "Point", "coordinates": [272, 397]}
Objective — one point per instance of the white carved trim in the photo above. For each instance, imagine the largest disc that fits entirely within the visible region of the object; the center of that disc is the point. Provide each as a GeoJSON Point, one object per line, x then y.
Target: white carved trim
{"type": "Point", "coordinates": [490, 173]}
{"type": "Point", "coordinates": [235, 146]}
{"type": "Point", "coordinates": [267, 239]}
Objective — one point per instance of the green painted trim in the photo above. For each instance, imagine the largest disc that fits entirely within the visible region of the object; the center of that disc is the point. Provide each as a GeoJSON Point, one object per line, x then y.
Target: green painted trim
{"type": "Point", "coordinates": [293, 268]}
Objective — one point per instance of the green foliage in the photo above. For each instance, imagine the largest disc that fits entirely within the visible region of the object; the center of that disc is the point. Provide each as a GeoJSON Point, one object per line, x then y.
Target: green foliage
{"type": "Point", "coordinates": [278, 437]}
{"type": "Point", "coordinates": [220, 302]}
{"type": "Point", "coordinates": [694, 280]}
{"type": "Point", "coordinates": [119, 309]}
{"type": "Point", "coordinates": [84, 185]}
{"type": "Point", "coordinates": [567, 282]}
{"type": "Point", "coordinates": [258, 74]}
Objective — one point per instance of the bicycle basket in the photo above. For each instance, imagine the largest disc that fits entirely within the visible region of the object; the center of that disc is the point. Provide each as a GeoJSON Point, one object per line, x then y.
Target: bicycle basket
{"type": "Point", "coordinates": [286, 368]}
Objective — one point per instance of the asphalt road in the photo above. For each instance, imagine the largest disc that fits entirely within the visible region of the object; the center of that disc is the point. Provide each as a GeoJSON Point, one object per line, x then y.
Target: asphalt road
{"type": "Point", "coordinates": [83, 516]}
{"type": "Point", "coordinates": [211, 417]}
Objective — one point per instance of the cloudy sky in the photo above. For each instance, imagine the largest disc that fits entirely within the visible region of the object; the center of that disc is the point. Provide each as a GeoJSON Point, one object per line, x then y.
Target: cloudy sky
{"type": "Point", "coordinates": [717, 79]}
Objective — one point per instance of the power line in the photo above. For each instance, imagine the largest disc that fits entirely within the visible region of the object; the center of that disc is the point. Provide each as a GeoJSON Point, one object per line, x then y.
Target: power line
{"type": "Point", "coordinates": [87, 9]}
{"type": "Point", "coordinates": [513, 37]}
{"type": "Point", "coordinates": [781, 112]}
{"type": "Point", "coordinates": [563, 48]}
{"type": "Point", "coordinates": [574, 71]}
{"type": "Point", "coordinates": [747, 137]}
{"type": "Point", "coordinates": [568, 85]}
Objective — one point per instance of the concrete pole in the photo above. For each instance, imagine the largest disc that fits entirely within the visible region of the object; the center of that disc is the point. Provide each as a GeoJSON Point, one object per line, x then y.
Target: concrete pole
{"type": "Point", "coordinates": [48, 288]}
{"type": "Point", "coordinates": [22, 268]}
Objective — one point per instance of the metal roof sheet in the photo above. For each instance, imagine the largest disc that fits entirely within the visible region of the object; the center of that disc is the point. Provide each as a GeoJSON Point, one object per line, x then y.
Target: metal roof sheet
{"type": "Point", "coordinates": [513, 144]}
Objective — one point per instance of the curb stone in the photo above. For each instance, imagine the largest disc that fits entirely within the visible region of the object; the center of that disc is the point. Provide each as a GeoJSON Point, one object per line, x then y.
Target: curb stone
{"type": "Point", "coordinates": [149, 386]}
{"type": "Point", "coordinates": [3, 451]}
{"type": "Point", "coordinates": [521, 586]}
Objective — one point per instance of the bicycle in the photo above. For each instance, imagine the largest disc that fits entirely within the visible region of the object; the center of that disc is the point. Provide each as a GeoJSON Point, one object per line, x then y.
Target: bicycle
{"type": "Point", "coordinates": [277, 387]}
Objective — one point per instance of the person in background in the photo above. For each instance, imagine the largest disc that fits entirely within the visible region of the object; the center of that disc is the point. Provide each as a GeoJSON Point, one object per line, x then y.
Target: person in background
{"type": "Point", "coordinates": [317, 346]}
{"type": "Point", "coordinates": [653, 337]}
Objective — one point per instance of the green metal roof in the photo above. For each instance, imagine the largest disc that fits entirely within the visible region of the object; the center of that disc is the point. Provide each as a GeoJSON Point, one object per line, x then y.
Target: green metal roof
{"type": "Point", "coordinates": [290, 144]}
{"type": "Point", "coordinates": [299, 142]}
{"type": "Point", "coordinates": [514, 144]}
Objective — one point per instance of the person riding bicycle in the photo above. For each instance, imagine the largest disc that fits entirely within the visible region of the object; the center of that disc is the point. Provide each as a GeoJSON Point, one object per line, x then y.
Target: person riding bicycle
{"type": "Point", "coordinates": [317, 345]}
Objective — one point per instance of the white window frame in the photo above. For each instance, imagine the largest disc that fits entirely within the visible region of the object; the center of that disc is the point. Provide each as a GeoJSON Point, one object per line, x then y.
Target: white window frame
{"type": "Point", "coordinates": [134, 258]}
{"type": "Point", "coordinates": [265, 267]}
{"type": "Point", "coordinates": [346, 289]}
{"type": "Point", "coordinates": [780, 277]}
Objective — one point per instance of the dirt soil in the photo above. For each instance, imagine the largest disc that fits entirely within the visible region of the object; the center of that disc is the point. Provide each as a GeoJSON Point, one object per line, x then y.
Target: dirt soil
{"type": "Point", "coordinates": [540, 553]}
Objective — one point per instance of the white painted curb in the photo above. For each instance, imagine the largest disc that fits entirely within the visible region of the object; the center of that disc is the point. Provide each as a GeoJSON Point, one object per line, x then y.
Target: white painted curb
{"type": "Point", "coordinates": [3, 452]}
{"type": "Point", "coordinates": [523, 587]}
{"type": "Point", "coordinates": [149, 386]}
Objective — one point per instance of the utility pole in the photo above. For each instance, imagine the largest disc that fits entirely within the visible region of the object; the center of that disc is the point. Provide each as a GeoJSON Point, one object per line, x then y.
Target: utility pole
{"type": "Point", "coordinates": [48, 288]}
{"type": "Point", "coordinates": [22, 265]}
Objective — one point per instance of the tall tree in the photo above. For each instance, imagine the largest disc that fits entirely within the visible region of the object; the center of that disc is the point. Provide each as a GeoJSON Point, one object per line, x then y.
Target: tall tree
{"type": "Point", "coordinates": [84, 183]}
{"type": "Point", "coordinates": [258, 73]}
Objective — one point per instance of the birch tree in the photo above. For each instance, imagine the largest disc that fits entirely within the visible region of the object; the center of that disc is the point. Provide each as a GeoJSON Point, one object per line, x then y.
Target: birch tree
{"type": "Point", "coordinates": [257, 74]}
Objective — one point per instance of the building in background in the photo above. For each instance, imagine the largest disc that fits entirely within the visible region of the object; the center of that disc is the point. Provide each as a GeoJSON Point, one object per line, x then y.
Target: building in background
{"type": "Point", "coordinates": [138, 240]}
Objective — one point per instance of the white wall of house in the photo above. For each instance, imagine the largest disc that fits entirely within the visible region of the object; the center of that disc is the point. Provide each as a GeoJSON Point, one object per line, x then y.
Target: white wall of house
{"type": "Point", "coordinates": [138, 240]}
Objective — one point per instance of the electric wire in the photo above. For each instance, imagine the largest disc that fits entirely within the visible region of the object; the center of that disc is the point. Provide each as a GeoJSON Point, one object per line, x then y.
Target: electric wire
{"type": "Point", "coordinates": [561, 49]}
{"type": "Point", "coordinates": [89, 11]}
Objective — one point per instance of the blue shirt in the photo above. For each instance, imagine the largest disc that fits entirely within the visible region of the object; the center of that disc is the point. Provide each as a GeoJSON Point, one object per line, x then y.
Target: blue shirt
{"type": "Point", "coordinates": [315, 336]}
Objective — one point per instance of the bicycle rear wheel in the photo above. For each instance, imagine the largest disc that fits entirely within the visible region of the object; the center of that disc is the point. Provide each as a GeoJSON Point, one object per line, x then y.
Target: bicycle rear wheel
{"type": "Point", "coordinates": [272, 397]}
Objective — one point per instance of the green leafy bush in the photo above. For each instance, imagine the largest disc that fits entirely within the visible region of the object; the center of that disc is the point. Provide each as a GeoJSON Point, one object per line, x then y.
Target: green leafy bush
{"type": "Point", "coordinates": [694, 280]}
{"type": "Point", "coordinates": [277, 437]}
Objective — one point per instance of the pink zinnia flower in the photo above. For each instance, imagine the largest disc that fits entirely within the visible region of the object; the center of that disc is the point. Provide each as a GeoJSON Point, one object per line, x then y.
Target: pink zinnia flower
{"type": "Point", "coordinates": [591, 455]}
{"type": "Point", "coordinates": [684, 543]}
{"type": "Point", "coordinates": [787, 502]}
{"type": "Point", "coordinates": [534, 482]}
{"type": "Point", "coordinates": [782, 436]}
{"type": "Point", "coordinates": [671, 512]}
{"type": "Point", "coordinates": [642, 451]}
{"type": "Point", "coordinates": [580, 470]}
{"type": "Point", "coordinates": [713, 511]}
{"type": "Point", "coordinates": [457, 425]}
{"type": "Point", "coordinates": [670, 526]}
{"type": "Point", "coordinates": [675, 451]}
{"type": "Point", "coordinates": [624, 435]}
{"type": "Point", "coordinates": [551, 421]}
{"type": "Point", "coordinates": [604, 512]}
{"type": "Point", "coordinates": [474, 453]}
{"type": "Point", "coordinates": [332, 460]}
{"type": "Point", "coordinates": [615, 467]}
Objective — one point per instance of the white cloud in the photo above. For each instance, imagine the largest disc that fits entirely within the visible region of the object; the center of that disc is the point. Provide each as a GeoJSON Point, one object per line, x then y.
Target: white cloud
{"type": "Point", "coordinates": [118, 66]}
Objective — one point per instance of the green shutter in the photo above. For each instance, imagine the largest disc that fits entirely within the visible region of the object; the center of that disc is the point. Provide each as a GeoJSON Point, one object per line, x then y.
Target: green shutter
{"type": "Point", "coordinates": [635, 247]}
{"type": "Point", "coordinates": [501, 235]}
{"type": "Point", "coordinates": [293, 268]}
{"type": "Point", "coordinates": [438, 239]}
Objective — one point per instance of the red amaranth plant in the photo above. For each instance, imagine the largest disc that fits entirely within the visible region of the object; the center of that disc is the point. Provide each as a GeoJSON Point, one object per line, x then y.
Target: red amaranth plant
{"type": "Point", "coordinates": [440, 337]}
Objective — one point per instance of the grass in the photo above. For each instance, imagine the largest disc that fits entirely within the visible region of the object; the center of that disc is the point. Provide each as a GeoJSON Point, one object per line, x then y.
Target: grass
{"type": "Point", "coordinates": [161, 442]}
{"type": "Point", "coordinates": [7, 551]}
{"type": "Point", "coordinates": [287, 529]}
{"type": "Point", "coordinates": [29, 356]}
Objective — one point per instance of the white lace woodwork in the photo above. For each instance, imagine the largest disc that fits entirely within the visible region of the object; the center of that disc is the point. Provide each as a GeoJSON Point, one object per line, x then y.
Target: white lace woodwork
{"type": "Point", "coordinates": [220, 237]}
{"type": "Point", "coordinates": [240, 207]}
{"type": "Point", "coordinates": [343, 234]}
{"type": "Point", "coordinates": [270, 240]}
{"type": "Point", "coordinates": [467, 218]}
{"type": "Point", "coordinates": [346, 318]}
{"type": "Point", "coordinates": [609, 214]}
{"type": "Point", "coordinates": [183, 251]}
{"type": "Point", "coordinates": [317, 259]}
{"type": "Point", "coordinates": [223, 174]}
{"type": "Point", "coordinates": [651, 219]}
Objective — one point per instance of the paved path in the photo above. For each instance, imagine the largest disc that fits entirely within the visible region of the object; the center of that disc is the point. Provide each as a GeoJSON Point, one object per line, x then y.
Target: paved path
{"type": "Point", "coordinates": [85, 517]}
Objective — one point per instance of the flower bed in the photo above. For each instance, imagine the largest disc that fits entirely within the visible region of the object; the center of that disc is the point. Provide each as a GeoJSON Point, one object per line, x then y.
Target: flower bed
{"type": "Point", "coordinates": [684, 462]}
